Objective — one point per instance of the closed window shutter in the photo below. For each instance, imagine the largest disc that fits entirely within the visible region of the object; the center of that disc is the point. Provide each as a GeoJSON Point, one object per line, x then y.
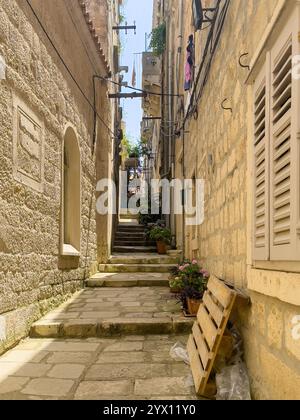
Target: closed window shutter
{"type": "Point", "coordinates": [284, 170]}
{"type": "Point", "coordinates": [261, 167]}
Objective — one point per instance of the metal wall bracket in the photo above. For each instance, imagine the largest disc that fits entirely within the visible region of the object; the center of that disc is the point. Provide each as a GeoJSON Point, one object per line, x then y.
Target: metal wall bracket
{"type": "Point", "coordinates": [208, 19]}
{"type": "Point", "coordinates": [125, 28]}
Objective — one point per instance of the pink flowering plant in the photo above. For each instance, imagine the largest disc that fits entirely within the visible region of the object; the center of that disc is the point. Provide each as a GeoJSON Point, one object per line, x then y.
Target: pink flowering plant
{"type": "Point", "coordinates": [190, 274]}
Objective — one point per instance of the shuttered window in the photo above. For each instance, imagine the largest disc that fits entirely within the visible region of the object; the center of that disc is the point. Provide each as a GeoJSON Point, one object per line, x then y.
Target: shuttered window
{"type": "Point", "coordinates": [276, 152]}
{"type": "Point", "coordinates": [261, 169]}
{"type": "Point", "coordinates": [281, 113]}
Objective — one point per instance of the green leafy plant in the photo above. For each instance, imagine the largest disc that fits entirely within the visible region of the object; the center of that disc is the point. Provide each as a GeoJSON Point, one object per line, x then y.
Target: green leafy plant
{"type": "Point", "coordinates": [134, 151]}
{"type": "Point", "coordinates": [158, 39]}
{"type": "Point", "coordinates": [122, 17]}
{"type": "Point", "coordinates": [160, 234]}
{"type": "Point", "coordinates": [129, 149]}
{"type": "Point", "coordinates": [176, 283]}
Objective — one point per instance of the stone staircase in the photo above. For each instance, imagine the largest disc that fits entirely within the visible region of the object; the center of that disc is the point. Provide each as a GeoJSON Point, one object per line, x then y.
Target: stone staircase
{"type": "Point", "coordinates": [128, 296]}
{"type": "Point", "coordinates": [131, 238]}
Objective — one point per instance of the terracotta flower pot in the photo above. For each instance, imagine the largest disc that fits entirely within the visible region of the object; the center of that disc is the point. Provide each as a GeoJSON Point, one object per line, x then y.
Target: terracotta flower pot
{"type": "Point", "coordinates": [193, 306]}
{"type": "Point", "coordinates": [175, 290]}
{"type": "Point", "coordinates": [161, 247]}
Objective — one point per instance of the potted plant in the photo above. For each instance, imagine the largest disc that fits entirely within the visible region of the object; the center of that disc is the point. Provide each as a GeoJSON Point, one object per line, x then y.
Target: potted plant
{"type": "Point", "coordinates": [194, 299]}
{"type": "Point", "coordinates": [162, 236]}
{"type": "Point", "coordinates": [176, 285]}
{"type": "Point", "coordinates": [175, 280]}
{"type": "Point", "coordinates": [194, 280]}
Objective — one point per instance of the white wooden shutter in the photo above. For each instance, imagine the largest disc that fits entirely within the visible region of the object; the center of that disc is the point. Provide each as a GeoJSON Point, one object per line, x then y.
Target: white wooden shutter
{"type": "Point", "coordinates": [284, 207]}
{"type": "Point", "coordinates": [261, 167]}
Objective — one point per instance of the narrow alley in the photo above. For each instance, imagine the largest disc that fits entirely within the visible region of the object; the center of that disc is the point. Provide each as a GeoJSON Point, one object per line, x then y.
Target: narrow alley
{"type": "Point", "coordinates": [149, 201]}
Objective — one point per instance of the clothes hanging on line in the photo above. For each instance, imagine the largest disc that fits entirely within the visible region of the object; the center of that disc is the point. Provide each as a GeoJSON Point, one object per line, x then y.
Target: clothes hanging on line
{"type": "Point", "coordinates": [189, 66]}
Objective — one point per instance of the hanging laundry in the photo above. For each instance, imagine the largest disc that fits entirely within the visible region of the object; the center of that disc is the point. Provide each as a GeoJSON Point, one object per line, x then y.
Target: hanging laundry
{"type": "Point", "coordinates": [133, 81]}
{"type": "Point", "coordinates": [189, 66]}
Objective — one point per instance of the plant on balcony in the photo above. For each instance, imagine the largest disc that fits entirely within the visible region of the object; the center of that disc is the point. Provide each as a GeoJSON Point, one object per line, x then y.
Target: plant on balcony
{"type": "Point", "coordinates": [134, 151]}
{"type": "Point", "coordinates": [158, 39]}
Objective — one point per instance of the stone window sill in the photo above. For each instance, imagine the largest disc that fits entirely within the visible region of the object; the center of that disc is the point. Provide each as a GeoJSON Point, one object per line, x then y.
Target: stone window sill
{"type": "Point", "coordinates": [70, 251]}
{"type": "Point", "coordinates": [281, 285]}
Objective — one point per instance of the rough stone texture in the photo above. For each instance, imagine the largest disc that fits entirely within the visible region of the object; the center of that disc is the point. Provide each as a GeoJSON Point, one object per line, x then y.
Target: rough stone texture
{"type": "Point", "coordinates": [66, 371]}
{"type": "Point", "coordinates": [48, 387]}
{"type": "Point", "coordinates": [165, 386]}
{"type": "Point", "coordinates": [130, 368]}
{"type": "Point", "coordinates": [115, 311]}
{"type": "Point", "coordinates": [219, 149]}
{"type": "Point", "coordinates": [33, 277]}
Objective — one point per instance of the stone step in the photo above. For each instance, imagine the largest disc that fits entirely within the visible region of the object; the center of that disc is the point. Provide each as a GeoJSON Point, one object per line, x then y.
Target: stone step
{"type": "Point", "coordinates": [126, 237]}
{"type": "Point", "coordinates": [128, 280]}
{"type": "Point", "coordinates": [142, 259]}
{"type": "Point", "coordinates": [129, 216]}
{"type": "Point", "coordinates": [128, 228]}
{"type": "Point", "coordinates": [133, 243]}
{"type": "Point", "coordinates": [130, 234]}
{"type": "Point", "coordinates": [135, 268]}
{"type": "Point", "coordinates": [107, 312]}
{"type": "Point", "coordinates": [114, 327]}
{"type": "Point", "coordinates": [133, 249]}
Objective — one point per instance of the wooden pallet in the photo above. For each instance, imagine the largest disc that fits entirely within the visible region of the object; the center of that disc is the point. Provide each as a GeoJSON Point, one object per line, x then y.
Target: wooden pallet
{"type": "Point", "coordinates": [207, 336]}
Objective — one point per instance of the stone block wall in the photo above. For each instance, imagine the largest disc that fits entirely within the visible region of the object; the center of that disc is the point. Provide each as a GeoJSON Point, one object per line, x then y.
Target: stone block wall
{"type": "Point", "coordinates": [38, 99]}
{"type": "Point", "coordinates": [216, 149]}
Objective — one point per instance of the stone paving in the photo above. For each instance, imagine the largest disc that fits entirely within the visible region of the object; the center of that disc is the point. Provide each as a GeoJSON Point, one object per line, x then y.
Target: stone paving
{"type": "Point", "coordinates": [124, 368]}
{"type": "Point", "coordinates": [106, 312]}
{"type": "Point", "coordinates": [111, 341]}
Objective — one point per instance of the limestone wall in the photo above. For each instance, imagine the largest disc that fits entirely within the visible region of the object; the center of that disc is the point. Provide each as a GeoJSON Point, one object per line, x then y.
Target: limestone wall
{"type": "Point", "coordinates": [217, 149]}
{"type": "Point", "coordinates": [40, 97]}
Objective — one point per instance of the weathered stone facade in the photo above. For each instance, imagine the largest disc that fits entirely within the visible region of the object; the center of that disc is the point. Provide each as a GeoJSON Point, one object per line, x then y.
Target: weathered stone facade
{"type": "Point", "coordinates": [39, 99]}
{"type": "Point", "coordinates": [218, 148]}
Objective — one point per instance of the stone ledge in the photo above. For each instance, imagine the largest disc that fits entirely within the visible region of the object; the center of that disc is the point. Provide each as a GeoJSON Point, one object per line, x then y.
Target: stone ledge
{"type": "Point", "coordinates": [275, 284]}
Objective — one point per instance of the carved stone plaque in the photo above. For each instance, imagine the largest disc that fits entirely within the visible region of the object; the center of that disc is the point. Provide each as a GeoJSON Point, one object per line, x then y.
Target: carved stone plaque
{"type": "Point", "coordinates": [28, 146]}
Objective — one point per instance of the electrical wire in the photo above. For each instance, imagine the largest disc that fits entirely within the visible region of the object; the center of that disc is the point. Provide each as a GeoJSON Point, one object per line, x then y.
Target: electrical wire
{"type": "Point", "coordinates": [67, 68]}
{"type": "Point", "coordinates": [140, 90]}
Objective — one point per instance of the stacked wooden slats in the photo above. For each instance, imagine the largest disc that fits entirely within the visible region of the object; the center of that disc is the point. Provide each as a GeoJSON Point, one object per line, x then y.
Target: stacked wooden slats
{"type": "Point", "coordinates": [208, 331]}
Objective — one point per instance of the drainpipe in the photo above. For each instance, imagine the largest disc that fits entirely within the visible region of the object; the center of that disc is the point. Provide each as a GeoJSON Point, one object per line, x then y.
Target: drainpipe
{"type": "Point", "coordinates": [169, 139]}
{"type": "Point", "coordinates": [179, 82]}
{"type": "Point", "coordinates": [162, 139]}
{"type": "Point", "coordinates": [184, 193]}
